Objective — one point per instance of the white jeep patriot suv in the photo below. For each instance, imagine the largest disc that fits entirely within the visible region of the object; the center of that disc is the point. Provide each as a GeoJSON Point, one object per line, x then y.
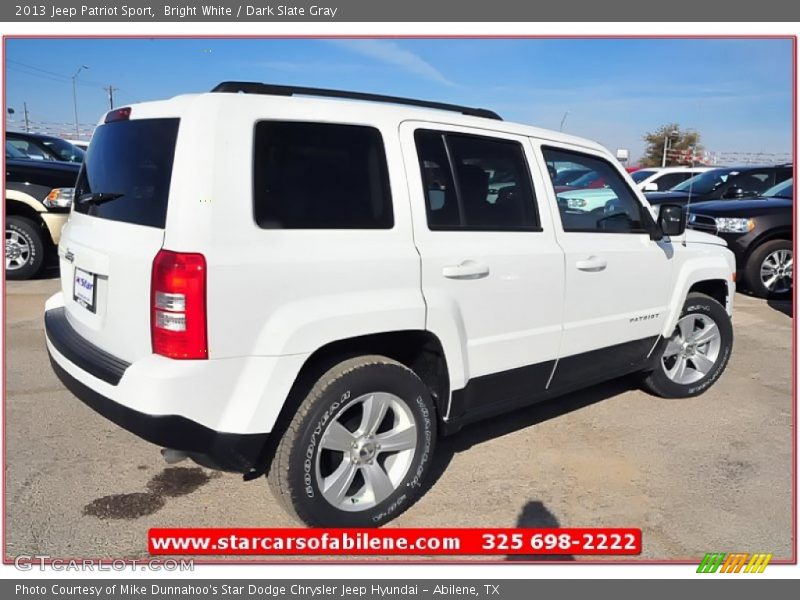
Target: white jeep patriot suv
{"type": "Point", "coordinates": [315, 284]}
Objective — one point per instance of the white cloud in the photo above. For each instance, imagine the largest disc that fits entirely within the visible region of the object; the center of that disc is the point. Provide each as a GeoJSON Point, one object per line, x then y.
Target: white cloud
{"type": "Point", "coordinates": [392, 53]}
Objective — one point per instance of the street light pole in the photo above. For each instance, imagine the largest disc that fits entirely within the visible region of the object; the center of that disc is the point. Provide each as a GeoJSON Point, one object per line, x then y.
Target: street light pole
{"type": "Point", "coordinates": [75, 98]}
{"type": "Point", "coordinates": [667, 135]}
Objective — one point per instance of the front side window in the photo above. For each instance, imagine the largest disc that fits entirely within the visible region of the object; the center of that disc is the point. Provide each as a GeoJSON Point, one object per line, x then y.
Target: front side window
{"type": "Point", "coordinates": [320, 176]}
{"type": "Point", "coordinates": [64, 150]}
{"type": "Point", "coordinates": [784, 189]}
{"type": "Point", "coordinates": [475, 183]}
{"type": "Point", "coordinates": [600, 202]}
{"type": "Point", "coordinates": [706, 182]}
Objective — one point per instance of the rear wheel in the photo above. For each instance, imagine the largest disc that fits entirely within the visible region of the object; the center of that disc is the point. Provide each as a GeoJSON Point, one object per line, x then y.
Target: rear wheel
{"type": "Point", "coordinates": [697, 352]}
{"type": "Point", "coordinates": [358, 449]}
{"type": "Point", "coordinates": [769, 270]}
{"type": "Point", "coordinates": [24, 248]}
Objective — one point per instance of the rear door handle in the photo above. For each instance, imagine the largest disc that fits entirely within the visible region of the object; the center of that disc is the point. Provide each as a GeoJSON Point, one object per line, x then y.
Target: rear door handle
{"type": "Point", "coordinates": [592, 264]}
{"type": "Point", "coordinates": [468, 269]}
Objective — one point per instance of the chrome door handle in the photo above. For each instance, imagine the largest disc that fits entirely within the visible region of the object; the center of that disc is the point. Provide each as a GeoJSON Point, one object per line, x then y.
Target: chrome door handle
{"type": "Point", "coordinates": [468, 269]}
{"type": "Point", "coordinates": [592, 264]}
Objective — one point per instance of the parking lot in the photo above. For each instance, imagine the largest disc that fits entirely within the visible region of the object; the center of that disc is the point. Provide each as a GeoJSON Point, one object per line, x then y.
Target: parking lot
{"type": "Point", "coordinates": [706, 474]}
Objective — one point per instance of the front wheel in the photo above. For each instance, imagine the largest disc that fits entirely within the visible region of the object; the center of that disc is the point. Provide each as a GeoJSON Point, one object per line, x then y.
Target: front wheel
{"type": "Point", "coordinates": [357, 450]}
{"type": "Point", "coordinates": [768, 271]}
{"type": "Point", "coordinates": [697, 352]}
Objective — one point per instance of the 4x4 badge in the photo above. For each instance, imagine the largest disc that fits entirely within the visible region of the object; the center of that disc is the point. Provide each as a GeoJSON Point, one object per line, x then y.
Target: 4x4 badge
{"type": "Point", "coordinates": [69, 255]}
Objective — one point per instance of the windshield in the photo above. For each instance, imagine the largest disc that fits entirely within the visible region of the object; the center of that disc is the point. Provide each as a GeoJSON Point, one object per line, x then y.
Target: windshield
{"type": "Point", "coordinates": [704, 182]}
{"type": "Point", "coordinates": [642, 174]}
{"type": "Point", "coordinates": [63, 149]}
{"type": "Point", "coordinates": [131, 160]}
{"type": "Point", "coordinates": [14, 152]}
{"type": "Point", "coordinates": [785, 189]}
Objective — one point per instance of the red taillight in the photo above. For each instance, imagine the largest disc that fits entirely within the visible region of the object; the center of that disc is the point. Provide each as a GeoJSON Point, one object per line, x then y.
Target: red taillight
{"type": "Point", "coordinates": [120, 114]}
{"type": "Point", "coordinates": [178, 305]}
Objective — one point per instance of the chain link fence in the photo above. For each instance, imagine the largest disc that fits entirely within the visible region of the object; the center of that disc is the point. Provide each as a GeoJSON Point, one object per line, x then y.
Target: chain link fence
{"type": "Point", "coordinates": [711, 158]}
{"type": "Point", "coordinates": [64, 130]}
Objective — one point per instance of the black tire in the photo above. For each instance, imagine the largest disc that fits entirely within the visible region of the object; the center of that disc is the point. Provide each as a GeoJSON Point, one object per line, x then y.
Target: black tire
{"type": "Point", "coordinates": [657, 382]}
{"type": "Point", "coordinates": [752, 270]}
{"type": "Point", "coordinates": [31, 235]}
{"type": "Point", "coordinates": [293, 476]}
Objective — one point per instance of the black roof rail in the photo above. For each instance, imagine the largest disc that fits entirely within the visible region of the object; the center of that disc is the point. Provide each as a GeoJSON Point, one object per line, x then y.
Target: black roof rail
{"type": "Point", "coordinates": [249, 87]}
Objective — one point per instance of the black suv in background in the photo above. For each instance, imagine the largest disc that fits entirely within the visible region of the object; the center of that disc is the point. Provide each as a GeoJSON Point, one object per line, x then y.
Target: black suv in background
{"type": "Point", "coordinates": [727, 183]}
{"type": "Point", "coordinates": [759, 232]}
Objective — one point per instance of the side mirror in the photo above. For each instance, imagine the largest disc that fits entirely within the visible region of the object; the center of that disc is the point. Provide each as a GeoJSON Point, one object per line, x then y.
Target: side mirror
{"type": "Point", "coordinates": [734, 192]}
{"type": "Point", "coordinates": [651, 187]}
{"type": "Point", "coordinates": [670, 219]}
{"type": "Point", "coordinates": [617, 222]}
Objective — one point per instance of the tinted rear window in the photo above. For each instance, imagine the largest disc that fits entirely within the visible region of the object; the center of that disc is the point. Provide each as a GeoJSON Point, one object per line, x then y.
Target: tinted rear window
{"type": "Point", "coordinates": [320, 176]}
{"type": "Point", "coordinates": [134, 159]}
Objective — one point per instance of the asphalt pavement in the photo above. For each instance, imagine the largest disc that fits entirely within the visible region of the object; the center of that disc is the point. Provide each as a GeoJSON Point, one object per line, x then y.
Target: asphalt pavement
{"type": "Point", "coordinates": [708, 474]}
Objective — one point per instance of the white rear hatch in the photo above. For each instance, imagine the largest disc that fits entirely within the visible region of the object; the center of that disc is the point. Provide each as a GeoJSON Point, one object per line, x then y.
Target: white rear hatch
{"type": "Point", "coordinates": [115, 230]}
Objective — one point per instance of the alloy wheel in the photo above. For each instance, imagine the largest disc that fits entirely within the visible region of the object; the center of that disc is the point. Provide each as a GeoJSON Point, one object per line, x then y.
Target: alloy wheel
{"type": "Point", "coordinates": [366, 451]}
{"type": "Point", "coordinates": [693, 349]}
{"type": "Point", "coordinates": [18, 250]}
{"type": "Point", "coordinates": [776, 271]}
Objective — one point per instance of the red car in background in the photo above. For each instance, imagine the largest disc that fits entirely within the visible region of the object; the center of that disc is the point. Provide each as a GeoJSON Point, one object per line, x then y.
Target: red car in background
{"type": "Point", "coordinates": [588, 180]}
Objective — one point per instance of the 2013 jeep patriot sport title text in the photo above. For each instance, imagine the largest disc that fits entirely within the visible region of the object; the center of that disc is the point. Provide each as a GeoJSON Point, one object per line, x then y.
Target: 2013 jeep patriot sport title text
{"type": "Point", "coordinates": [315, 284]}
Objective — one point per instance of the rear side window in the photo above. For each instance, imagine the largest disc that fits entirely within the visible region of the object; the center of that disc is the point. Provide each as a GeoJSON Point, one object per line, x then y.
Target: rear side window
{"type": "Point", "coordinates": [129, 164]}
{"type": "Point", "coordinates": [475, 183]}
{"type": "Point", "coordinates": [320, 176]}
{"type": "Point", "coordinates": [670, 180]}
{"type": "Point", "coordinates": [638, 176]}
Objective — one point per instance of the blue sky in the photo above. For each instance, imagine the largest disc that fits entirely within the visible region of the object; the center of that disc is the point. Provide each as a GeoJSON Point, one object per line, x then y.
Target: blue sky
{"type": "Point", "coordinates": [737, 93]}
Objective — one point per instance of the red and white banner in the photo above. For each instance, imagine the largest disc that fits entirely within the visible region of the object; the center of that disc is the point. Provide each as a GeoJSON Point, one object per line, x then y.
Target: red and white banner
{"type": "Point", "coordinates": [381, 542]}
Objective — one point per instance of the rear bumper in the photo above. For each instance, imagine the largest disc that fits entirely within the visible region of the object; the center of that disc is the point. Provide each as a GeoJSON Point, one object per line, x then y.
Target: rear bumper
{"type": "Point", "coordinates": [80, 352]}
{"type": "Point", "coordinates": [230, 451]}
{"type": "Point", "coordinates": [222, 408]}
